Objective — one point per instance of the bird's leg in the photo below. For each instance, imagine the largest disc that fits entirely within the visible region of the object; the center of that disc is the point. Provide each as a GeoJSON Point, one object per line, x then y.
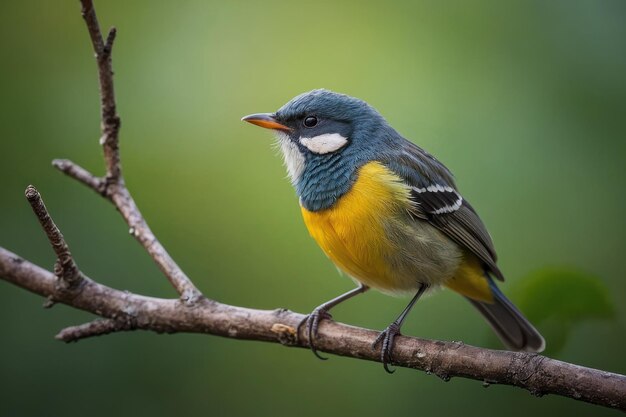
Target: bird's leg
{"type": "Point", "coordinates": [388, 335]}
{"type": "Point", "coordinates": [321, 312]}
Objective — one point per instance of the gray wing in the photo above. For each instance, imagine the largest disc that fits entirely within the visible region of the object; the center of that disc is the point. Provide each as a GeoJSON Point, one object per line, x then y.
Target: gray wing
{"type": "Point", "coordinates": [438, 202]}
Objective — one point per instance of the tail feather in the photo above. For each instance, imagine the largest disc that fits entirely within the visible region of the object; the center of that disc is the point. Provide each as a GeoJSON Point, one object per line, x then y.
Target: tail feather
{"type": "Point", "coordinates": [509, 323]}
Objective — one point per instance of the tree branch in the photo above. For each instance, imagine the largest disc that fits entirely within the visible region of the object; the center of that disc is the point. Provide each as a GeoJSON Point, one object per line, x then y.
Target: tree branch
{"type": "Point", "coordinates": [80, 174]}
{"type": "Point", "coordinates": [112, 186]}
{"type": "Point", "coordinates": [538, 374]}
{"type": "Point", "coordinates": [98, 327]}
{"type": "Point", "coordinates": [65, 268]}
{"type": "Point", "coordinates": [110, 120]}
{"type": "Point", "coordinates": [194, 313]}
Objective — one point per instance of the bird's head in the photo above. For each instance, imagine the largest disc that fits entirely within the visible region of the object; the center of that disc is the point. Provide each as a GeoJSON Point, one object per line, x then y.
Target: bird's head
{"type": "Point", "coordinates": [320, 126]}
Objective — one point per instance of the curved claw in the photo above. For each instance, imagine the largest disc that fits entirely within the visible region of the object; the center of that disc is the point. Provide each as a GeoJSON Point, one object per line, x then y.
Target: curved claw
{"type": "Point", "coordinates": [387, 336]}
{"type": "Point", "coordinates": [312, 324]}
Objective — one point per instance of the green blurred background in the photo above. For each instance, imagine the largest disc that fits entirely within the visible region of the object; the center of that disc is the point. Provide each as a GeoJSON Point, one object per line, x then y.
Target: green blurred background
{"type": "Point", "coordinates": [524, 101]}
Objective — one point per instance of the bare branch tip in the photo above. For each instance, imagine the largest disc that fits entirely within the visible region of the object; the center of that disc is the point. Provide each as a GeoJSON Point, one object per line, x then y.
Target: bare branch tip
{"type": "Point", "coordinates": [32, 195]}
{"type": "Point", "coordinates": [61, 164]}
{"type": "Point", "coordinates": [80, 174]}
{"type": "Point", "coordinates": [98, 327]}
{"type": "Point", "coordinates": [112, 34]}
{"type": "Point", "coordinates": [108, 45]}
{"type": "Point", "coordinates": [64, 336]}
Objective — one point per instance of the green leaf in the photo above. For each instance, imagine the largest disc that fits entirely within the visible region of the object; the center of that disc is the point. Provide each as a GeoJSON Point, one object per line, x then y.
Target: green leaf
{"type": "Point", "coordinates": [564, 294]}
{"type": "Point", "coordinates": [556, 299]}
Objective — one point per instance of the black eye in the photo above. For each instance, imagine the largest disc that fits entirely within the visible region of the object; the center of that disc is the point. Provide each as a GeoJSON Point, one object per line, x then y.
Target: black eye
{"type": "Point", "coordinates": [310, 121]}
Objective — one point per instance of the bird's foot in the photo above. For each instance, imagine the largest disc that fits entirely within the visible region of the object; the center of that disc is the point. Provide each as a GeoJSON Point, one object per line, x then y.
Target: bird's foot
{"type": "Point", "coordinates": [387, 337]}
{"type": "Point", "coordinates": [311, 323]}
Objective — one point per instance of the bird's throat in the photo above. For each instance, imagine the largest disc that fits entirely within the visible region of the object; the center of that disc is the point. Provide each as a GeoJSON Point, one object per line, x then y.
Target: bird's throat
{"type": "Point", "coordinates": [324, 180]}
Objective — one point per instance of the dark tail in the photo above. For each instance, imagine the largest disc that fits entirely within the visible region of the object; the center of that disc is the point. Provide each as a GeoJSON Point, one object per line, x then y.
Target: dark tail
{"type": "Point", "coordinates": [509, 324]}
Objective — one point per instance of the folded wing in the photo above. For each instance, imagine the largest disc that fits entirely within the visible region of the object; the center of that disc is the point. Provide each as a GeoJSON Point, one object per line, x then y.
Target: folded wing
{"type": "Point", "coordinates": [438, 202]}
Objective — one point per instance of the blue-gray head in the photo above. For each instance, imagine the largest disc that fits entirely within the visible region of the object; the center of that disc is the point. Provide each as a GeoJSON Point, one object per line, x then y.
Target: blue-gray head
{"type": "Point", "coordinates": [325, 137]}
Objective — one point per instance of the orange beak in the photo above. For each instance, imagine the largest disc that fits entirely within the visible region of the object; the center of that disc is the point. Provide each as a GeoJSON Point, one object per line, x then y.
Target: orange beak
{"type": "Point", "coordinates": [265, 120]}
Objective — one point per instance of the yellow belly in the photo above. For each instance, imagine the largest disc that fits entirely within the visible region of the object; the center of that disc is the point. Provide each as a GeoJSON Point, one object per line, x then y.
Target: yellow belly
{"type": "Point", "coordinates": [352, 233]}
{"type": "Point", "coordinates": [368, 235]}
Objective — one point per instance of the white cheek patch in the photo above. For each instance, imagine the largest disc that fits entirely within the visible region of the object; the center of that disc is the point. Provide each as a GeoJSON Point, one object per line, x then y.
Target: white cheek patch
{"type": "Point", "coordinates": [294, 160]}
{"type": "Point", "coordinates": [326, 143]}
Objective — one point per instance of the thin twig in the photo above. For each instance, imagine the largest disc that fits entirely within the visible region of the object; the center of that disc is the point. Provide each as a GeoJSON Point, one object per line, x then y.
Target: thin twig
{"type": "Point", "coordinates": [80, 174]}
{"type": "Point", "coordinates": [98, 327]}
{"type": "Point", "coordinates": [110, 120]}
{"type": "Point", "coordinates": [538, 374]}
{"type": "Point", "coordinates": [89, 14]}
{"type": "Point", "coordinates": [65, 268]}
{"type": "Point", "coordinates": [112, 186]}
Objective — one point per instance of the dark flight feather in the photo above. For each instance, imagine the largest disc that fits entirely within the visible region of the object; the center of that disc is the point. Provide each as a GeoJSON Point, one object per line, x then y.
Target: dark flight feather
{"type": "Point", "coordinates": [438, 202]}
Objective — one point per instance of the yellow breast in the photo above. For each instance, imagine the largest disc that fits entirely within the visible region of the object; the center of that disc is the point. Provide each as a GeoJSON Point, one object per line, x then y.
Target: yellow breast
{"type": "Point", "coordinates": [352, 232]}
{"type": "Point", "coordinates": [369, 236]}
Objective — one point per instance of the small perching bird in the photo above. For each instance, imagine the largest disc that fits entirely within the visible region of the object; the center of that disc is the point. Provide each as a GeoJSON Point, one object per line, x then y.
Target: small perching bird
{"type": "Point", "coordinates": [387, 213]}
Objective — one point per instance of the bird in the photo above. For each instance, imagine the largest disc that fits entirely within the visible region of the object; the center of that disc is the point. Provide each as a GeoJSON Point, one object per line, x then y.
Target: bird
{"type": "Point", "coordinates": [388, 214]}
